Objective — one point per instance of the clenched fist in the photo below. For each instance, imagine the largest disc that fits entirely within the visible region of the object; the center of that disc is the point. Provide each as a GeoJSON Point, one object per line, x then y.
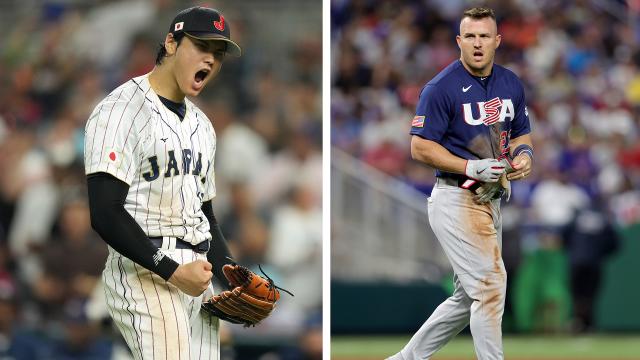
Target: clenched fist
{"type": "Point", "coordinates": [192, 278]}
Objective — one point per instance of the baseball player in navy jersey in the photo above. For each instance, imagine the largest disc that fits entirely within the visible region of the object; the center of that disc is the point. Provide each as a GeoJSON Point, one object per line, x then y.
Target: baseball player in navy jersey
{"type": "Point", "coordinates": [471, 124]}
{"type": "Point", "coordinates": [149, 160]}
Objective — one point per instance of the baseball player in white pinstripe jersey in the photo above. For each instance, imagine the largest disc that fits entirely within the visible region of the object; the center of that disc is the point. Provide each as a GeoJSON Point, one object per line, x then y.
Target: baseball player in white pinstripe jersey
{"type": "Point", "coordinates": [149, 160]}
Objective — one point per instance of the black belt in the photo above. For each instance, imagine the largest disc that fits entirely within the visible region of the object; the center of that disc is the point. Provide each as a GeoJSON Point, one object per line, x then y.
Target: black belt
{"type": "Point", "coordinates": [466, 183]}
{"type": "Point", "coordinates": [201, 248]}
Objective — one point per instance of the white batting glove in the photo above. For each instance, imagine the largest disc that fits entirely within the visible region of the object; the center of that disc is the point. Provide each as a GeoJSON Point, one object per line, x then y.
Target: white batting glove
{"type": "Point", "coordinates": [485, 170]}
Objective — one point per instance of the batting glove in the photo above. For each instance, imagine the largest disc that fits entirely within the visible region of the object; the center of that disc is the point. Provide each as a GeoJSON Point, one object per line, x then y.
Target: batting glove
{"type": "Point", "coordinates": [485, 170]}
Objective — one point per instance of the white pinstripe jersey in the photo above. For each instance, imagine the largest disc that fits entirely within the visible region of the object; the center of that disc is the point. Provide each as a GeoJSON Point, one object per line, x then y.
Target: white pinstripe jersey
{"type": "Point", "coordinates": [167, 163]}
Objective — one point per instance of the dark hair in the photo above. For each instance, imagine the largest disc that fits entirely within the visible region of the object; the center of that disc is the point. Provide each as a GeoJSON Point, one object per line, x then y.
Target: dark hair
{"type": "Point", "coordinates": [162, 51]}
{"type": "Point", "coordinates": [479, 13]}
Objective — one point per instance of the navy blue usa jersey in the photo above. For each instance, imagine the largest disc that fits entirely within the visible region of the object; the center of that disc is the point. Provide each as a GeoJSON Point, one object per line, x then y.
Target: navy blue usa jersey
{"type": "Point", "coordinates": [472, 117]}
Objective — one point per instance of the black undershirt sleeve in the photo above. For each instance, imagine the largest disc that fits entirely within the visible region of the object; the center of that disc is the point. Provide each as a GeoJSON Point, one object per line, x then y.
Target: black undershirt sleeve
{"type": "Point", "coordinates": [119, 229]}
{"type": "Point", "coordinates": [219, 253]}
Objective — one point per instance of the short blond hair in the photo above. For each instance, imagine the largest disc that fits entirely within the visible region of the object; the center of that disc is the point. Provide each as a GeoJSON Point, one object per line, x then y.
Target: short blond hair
{"type": "Point", "coordinates": [479, 13]}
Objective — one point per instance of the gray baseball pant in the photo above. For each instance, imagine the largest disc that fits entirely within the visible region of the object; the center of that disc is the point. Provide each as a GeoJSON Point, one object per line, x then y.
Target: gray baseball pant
{"type": "Point", "coordinates": [471, 236]}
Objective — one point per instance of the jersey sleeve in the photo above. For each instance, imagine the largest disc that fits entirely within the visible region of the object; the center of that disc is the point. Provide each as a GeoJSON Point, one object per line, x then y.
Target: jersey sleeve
{"type": "Point", "coordinates": [112, 141]}
{"type": "Point", "coordinates": [520, 125]}
{"type": "Point", "coordinates": [432, 114]}
{"type": "Point", "coordinates": [209, 180]}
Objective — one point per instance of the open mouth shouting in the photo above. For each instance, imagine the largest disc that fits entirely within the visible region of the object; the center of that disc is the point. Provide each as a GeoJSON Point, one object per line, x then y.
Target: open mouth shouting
{"type": "Point", "coordinates": [200, 77]}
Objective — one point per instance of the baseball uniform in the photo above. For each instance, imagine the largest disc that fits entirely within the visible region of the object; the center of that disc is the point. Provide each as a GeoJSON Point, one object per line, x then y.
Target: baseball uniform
{"type": "Point", "coordinates": [149, 162]}
{"type": "Point", "coordinates": [168, 165]}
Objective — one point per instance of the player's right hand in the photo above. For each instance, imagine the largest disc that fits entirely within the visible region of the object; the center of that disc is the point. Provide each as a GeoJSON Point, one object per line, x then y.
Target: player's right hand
{"type": "Point", "coordinates": [192, 278]}
{"type": "Point", "coordinates": [485, 170]}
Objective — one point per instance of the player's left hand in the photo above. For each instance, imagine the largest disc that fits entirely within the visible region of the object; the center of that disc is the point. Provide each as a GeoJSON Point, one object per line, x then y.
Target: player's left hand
{"type": "Point", "coordinates": [522, 166]}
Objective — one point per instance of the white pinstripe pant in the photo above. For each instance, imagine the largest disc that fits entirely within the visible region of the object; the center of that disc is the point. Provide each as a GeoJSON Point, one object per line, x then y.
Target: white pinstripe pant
{"type": "Point", "coordinates": [157, 320]}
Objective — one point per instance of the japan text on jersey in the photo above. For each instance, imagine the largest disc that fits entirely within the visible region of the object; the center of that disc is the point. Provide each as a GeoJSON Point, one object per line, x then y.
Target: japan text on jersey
{"type": "Point", "coordinates": [171, 168]}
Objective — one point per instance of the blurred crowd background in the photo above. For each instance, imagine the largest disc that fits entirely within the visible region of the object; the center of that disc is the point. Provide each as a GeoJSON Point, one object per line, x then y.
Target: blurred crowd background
{"type": "Point", "coordinates": [580, 65]}
{"type": "Point", "coordinates": [58, 59]}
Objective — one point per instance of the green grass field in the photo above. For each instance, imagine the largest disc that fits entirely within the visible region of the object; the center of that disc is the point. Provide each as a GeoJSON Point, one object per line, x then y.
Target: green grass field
{"type": "Point", "coordinates": [515, 348]}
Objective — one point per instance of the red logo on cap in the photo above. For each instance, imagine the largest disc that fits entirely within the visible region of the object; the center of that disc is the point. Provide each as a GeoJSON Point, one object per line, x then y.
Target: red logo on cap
{"type": "Point", "coordinates": [219, 24]}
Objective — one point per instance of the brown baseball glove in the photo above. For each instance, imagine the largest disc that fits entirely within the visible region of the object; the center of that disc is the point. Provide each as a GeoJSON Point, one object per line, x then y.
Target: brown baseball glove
{"type": "Point", "coordinates": [251, 299]}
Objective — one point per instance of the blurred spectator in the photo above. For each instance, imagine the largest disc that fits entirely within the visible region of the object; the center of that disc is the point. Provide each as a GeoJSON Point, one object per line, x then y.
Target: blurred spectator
{"type": "Point", "coordinates": [241, 153]}
{"type": "Point", "coordinates": [310, 341]}
{"type": "Point", "coordinates": [512, 233]}
{"type": "Point", "coordinates": [555, 200]}
{"type": "Point", "coordinates": [311, 344]}
{"type": "Point", "coordinates": [16, 341]}
{"type": "Point", "coordinates": [625, 205]}
{"type": "Point", "coordinates": [242, 207]}
{"type": "Point", "coordinates": [62, 280]}
{"type": "Point", "coordinates": [387, 158]}
{"type": "Point", "coordinates": [251, 241]}
{"type": "Point", "coordinates": [541, 296]}
{"type": "Point", "coordinates": [27, 182]}
{"type": "Point", "coordinates": [113, 26]}
{"type": "Point", "coordinates": [588, 239]}
{"type": "Point", "coordinates": [300, 161]}
{"type": "Point", "coordinates": [296, 246]}
{"type": "Point", "coordinates": [82, 339]}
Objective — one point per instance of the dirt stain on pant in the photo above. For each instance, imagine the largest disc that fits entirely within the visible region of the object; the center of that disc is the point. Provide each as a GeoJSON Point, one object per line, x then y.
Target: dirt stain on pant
{"type": "Point", "coordinates": [480, 230]}
{"type": "Point", "coordinates": [483, 235]}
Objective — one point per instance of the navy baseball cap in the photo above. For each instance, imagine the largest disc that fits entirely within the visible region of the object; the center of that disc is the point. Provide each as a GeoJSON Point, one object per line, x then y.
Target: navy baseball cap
{"type": "Point", "coordinates": [204, 24]}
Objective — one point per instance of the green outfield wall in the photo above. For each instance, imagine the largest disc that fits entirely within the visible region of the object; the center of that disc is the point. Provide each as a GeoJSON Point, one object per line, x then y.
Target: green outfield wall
{"type": "Point", "coordinates": [399, 308]}
{"type": "Point", "coordinates": [618, 306]}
